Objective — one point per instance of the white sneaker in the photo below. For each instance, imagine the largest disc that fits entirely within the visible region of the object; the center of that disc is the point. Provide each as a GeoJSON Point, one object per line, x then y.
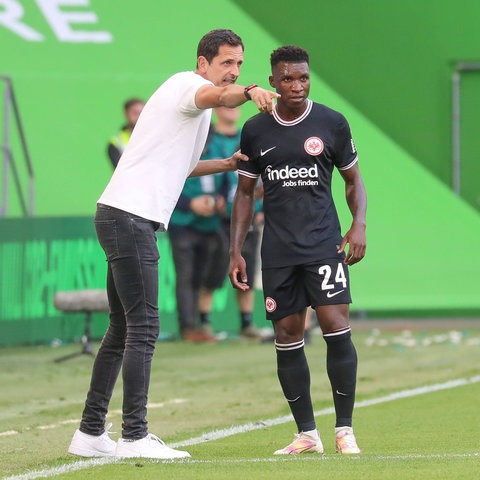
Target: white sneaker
{"type": "Point", "coordinates": [149, 447]}
{"type": "Point", "coordinates": [85, 445]}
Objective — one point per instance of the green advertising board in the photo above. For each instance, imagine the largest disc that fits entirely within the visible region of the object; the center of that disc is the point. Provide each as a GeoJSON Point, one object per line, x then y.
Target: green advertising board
{"type": "Point", "coordinates": [73, 63]}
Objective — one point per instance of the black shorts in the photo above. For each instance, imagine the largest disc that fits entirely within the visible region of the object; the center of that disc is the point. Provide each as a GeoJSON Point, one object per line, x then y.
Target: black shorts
{"type": "Point", "coordinates": [291, 289]}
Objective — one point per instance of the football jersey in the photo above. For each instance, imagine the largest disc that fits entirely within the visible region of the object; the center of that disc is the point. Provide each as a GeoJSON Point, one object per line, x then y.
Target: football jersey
{"type": "Point", "coordinates": [295, 160]}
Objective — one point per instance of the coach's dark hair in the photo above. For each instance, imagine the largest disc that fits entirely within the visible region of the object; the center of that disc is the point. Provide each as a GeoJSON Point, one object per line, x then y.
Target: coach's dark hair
{"type": "Point", "coordinates": [211, 42]}
{"type": "Point", "coordinates": [289, 53]}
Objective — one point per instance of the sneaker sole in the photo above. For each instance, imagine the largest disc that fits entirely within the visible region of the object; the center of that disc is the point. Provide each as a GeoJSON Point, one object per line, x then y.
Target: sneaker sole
{"type": "Point", "coordinates": [131, 455]}
{"type": "Point", "coordinates": [85, 452]}
{"type": "Point", "coordinates": [310, 450]}
{"type": "Point", "coordinates": [349, 453]}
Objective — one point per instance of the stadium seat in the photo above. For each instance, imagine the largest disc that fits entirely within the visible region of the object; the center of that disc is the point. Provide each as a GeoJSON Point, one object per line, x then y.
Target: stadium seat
{"type": "Point", "coordinates": [82, 301]}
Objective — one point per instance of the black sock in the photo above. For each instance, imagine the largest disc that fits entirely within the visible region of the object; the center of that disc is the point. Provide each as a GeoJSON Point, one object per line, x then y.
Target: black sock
{"type": "Point", "coordinates": [294, 376]}
{"type": "Point", "coordinates": [204, 317]}
{"type": "Point", "coordinates": [245, 319]}
{"type": "Point", "coordinates": [342, 372]}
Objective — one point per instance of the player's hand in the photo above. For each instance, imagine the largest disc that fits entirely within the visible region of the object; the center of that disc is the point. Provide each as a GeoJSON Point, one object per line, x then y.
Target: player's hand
{"type": "Point", "coordinates": [238, 273]}
{"type": "Point", "coordinates": [263, 99]}
{"type": "Point", "coordinates": [357, 244]}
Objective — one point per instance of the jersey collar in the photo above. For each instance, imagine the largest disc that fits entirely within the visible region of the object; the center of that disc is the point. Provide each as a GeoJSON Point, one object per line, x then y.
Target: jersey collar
{"type": "Point", "coordinates": [297, 120]}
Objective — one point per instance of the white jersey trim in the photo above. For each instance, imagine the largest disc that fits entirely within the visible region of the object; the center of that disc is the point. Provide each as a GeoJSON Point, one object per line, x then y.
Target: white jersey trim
{"type": "Point", "coordinates": [248, 174]}
{"type": "Point", "coordinates": [350, 165]}
{"type": "Point", "coordinates": [297, 120]}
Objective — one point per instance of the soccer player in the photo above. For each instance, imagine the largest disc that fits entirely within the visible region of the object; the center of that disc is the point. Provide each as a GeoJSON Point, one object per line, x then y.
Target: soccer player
{"type": "Point", "coordinates": [304, 257]}
{"type": "Point", "coordinates": [163, 151]}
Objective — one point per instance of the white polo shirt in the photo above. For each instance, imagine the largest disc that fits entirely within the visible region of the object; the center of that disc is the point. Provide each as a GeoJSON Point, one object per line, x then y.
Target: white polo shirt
{"type": "Point", "coordinates": [164, 148]}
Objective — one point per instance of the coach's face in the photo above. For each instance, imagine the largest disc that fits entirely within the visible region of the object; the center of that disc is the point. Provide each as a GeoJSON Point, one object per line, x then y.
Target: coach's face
{"type": "Point", "coordinates": [224, 69]}
{"type": "Point", "coordinates": [292, 82]}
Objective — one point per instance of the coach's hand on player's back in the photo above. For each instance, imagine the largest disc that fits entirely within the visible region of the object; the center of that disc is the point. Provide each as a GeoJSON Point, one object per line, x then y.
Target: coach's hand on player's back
{"type": "Point", "coordinates": [235, 158]}
{"type": "Point", "coordinates": [357, 244]}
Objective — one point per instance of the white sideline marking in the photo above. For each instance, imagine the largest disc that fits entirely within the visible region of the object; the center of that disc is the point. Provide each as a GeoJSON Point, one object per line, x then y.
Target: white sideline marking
{"type": "Point", "coordinates": [76, 421]}
{"type": "Point", "coordinates": [227, 432]}
{"type": "Point", "coordinates": [324, 457]}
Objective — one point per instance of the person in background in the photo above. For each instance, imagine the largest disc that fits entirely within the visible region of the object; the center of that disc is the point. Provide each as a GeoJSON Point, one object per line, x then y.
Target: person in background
{"type": "Point", "coordinates": [304, 257]}
{"type": "Point", "coordinates": [198, 247]}
{"type": "Point", "coordinates": [164, 150]}
{"type": "Point", "coordinates": [116, 146]}
{"type": "Point", "coordinates": [224, 139]}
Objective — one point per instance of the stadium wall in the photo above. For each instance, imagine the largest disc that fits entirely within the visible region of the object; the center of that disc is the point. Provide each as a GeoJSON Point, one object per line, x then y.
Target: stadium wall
{"type": "Point", "coordinates": [81, 68]}
{"type": "Point", "coordinates": [394, 62]}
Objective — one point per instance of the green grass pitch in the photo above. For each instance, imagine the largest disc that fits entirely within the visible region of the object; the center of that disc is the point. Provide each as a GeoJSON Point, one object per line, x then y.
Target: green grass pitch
{"type": "Point", "coordinates": [416, 417]}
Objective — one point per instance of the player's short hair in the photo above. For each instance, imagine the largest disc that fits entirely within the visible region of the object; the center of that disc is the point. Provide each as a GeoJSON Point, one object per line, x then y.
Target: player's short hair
{"type": "Point", "coordinates": [211, 42]}
{"type": "Point", "coordinates": [289, 54]}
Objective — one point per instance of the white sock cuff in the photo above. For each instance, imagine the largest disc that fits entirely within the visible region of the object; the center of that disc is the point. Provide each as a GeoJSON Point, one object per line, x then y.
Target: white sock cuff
{"type": "Point", "coordinates": [283, 347]}
{"type": "Point", "coordinates": [341, 331]}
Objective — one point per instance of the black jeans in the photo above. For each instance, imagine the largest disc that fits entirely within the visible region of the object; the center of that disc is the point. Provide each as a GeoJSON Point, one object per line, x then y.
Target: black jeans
{"type": "Point", "coordinates": [130, 246]}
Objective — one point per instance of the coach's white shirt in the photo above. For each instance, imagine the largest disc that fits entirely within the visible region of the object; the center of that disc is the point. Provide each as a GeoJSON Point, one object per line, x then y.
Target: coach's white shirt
{"type": "Point", "coordinates": [164, 148]}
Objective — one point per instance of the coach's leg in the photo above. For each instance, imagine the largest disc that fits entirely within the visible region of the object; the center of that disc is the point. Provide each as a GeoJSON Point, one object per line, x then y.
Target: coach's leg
{"type": "Point", "coordinates": [107, 365]}
{"type": "Point", "coordinates": [135, 272]}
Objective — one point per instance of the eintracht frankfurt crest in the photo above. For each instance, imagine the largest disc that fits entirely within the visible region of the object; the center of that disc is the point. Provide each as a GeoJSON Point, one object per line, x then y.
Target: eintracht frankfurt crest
{"type": "Point", "coordinates": [270, 304]}
{"type": "Point", "coordinates": [313, 146]}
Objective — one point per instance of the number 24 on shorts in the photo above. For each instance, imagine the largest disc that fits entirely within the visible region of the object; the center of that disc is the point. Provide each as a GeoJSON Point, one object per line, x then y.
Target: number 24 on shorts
{"type": "Point", "coordinates": [326, 272]}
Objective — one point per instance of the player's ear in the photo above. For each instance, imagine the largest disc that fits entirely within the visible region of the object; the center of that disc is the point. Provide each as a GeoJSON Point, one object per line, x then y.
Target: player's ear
{"type": "Point", "coordinates": [270, 79]}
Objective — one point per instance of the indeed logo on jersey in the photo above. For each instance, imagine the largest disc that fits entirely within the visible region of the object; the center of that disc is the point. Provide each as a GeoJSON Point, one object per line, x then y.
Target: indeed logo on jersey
{"type": "Point", "coordinates": [294, 177]}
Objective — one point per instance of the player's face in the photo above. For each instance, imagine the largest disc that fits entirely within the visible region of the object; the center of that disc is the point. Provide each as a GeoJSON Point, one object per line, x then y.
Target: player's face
{"type": "Point", "coordinates": [292, 82]}
{"type": "Point", "coordinates": [225, 67]}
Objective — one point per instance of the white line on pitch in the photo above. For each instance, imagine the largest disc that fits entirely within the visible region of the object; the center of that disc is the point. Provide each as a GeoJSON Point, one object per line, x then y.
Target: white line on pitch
{"type": "Point", "coordinates": [75, 421]}
{"type": "Point", "coordinates": [218, 434]}
{"type": "Point", "coordinates": [227, 432]}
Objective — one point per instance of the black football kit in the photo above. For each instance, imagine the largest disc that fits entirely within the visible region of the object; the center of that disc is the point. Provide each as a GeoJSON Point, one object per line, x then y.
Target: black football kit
{"type": "Point", "coordinates": [295, 160]}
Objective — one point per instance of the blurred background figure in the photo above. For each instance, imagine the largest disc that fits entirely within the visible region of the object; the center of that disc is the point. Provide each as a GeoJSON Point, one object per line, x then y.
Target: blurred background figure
{"type": "Point", "coordinates": [223, 141]}
{"type": "Point", "coordinates": [131, 109]}
{"type": "Point", "coordinates": [199, 249]}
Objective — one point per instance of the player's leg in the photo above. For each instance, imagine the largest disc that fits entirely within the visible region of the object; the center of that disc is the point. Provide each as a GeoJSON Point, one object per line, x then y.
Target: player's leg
{"type": "Point", "coordinates": [329, 291]}
{"type": "Point", "coordinates": [294, 376]}
{"type": "Point", "coordinates": [341, 369]}
{"type": "Point", "coordinates": [285, 304]}
{"type": "Point", "coordinates": [341, 359]}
